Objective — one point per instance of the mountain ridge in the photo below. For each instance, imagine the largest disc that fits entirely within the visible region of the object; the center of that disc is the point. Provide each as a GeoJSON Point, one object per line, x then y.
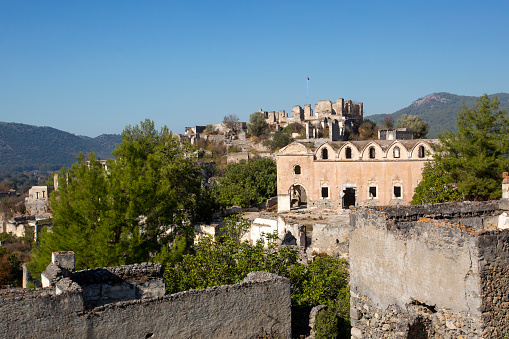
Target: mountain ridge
{"type": "Point", "coordinates": [27, 147]}
{"type": "Point", "coordinates": [439, 110]}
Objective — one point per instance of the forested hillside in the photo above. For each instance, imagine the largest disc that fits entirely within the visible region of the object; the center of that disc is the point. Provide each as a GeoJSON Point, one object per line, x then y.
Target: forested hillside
{"type": "Point", "coordinates": [439, 110]}
{"type": "Point", "coordinates": [27, 147]}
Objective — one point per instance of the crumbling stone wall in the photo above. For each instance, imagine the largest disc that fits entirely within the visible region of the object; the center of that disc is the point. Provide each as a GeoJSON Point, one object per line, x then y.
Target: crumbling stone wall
{"type": "Point", "coordinates": [260, 304]}
{"type": "Point", "coordinates": [429, 271]}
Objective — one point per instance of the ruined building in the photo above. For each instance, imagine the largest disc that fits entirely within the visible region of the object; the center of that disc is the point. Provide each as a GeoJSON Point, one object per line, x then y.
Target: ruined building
{"type": "Point", "coordinates": [335, 117]}
{"type": "Point", "coordinates": [343, 174]}
{"type": "Point", "coordinates": [129, 302]}
{"type": "Point", "coordinates": [37, 201]}
{"type": "Point", "coordinates": [430, 271]}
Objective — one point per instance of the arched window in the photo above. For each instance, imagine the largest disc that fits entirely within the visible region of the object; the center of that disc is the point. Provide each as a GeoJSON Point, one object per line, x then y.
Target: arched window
{"type": "Point", "coordinates": [348, 153]}
{"type": "Point", "coordinates": [421, 152]}
{"type": "Point", "coordinates": [296, 169]}
{"type": "Point", "coordinates": [396, 152]}
{"type": "Point", "coordinates": [325, 154]}
{"type": "Point", "coordinates": [372, 153]}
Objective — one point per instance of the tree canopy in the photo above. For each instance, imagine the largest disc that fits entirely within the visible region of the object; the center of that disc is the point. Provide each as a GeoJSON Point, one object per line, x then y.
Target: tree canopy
{"type": "Point", "coordinates": [474, 158]}
{"type": "Point", "coordinates": [129, 212]}
{"type": "Point", "coordinates": [228, 259]}
{"type": "Point", "coordinates": [434, 187]}
{"type": "Point", "coordinates": [419, 127]}
{"type": "Point", "coordinates": [247, 183]}
{"type": "Point", "coordinates": [257, 124]}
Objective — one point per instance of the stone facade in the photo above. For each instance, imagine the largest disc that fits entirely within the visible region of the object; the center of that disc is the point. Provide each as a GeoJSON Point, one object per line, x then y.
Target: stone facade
{"type": "Point", "coordinates": [430, 271]}
{"type": "Point", "coordinates": [259, 305]}
{"type": "Point", "coordinates": [334, 175]}
{"type": "Point", "coordinates": [335, 116]}
{"type": "Point", "coordinates": [37, 201]}
{"type": "Point", "coordinates": [396, 134]}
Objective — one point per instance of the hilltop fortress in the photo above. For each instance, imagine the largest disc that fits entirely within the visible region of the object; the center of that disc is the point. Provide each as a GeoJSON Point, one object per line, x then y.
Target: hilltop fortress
{"type": "Point", "coordinates": [336, 117]}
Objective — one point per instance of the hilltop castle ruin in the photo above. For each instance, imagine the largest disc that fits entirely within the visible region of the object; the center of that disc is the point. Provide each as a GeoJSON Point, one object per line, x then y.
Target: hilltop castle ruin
{"type": "Point", "coordinates": [336, 117]}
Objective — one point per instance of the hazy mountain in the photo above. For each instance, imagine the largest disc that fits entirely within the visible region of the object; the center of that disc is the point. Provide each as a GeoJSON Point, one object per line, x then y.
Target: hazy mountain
{"type": "Point", "coordinates": [32, 147]}
{"type": "Point", "coordinates": [439, 110]}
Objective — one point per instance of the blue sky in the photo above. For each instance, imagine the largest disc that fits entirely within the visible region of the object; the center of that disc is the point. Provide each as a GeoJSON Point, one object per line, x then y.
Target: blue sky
{"type": "Point", "coordinates": [93, 67]}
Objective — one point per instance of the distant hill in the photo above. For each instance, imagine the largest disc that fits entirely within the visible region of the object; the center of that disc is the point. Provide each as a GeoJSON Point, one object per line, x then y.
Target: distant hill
{"type": "Point", "coordinates": [27, 147]}
{"type": "Point", "coordinates": [439, 110]}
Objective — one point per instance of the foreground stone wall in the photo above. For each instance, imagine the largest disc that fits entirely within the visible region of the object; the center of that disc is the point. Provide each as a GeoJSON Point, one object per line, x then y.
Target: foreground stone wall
{"type": "Point", "coordinates": [260, 304]}
{"type": "Point", "coordinates": [429, 271]}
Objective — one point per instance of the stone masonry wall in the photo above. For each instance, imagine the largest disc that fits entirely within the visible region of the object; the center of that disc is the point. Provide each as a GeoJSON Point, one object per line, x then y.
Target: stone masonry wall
{"type": "Point", "coordinates": [428, 271]}
{"type": "Point", "coordinates": [494, 259]}
{"type": "Point", "coordinates": [111, 284]}
{"type": "Point", "coordinates": [260, 304]}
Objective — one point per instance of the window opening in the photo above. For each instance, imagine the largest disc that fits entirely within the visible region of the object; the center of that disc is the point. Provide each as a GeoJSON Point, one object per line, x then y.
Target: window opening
{"type": "Point", "coordinates": [397, 191]}
{"type": "Point", "coordinates": [348, 153]}
{"type": "Point", "coordinates": [325, 192]}
{"type": "Point", "coordinates": [372, 191]}
{"type": "Point", "coordinates": [396, 152]}
{"type": "Point", "coordinates": [372, 153]}
{"type": "Point", "coordinates": [421, 152]}
{"type": "Point", "coordinates": [325, 154]}
{"type": "Point", "coordinates": [296, 169]}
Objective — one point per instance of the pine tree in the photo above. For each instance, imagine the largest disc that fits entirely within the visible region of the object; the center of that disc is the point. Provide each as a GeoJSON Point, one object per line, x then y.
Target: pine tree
{"type": "Point", "coordinates": [474, 158]}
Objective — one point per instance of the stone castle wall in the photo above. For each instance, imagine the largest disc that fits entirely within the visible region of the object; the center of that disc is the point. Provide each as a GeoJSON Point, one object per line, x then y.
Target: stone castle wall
{"type": "Point", "coordinates": [429, 271]}
{"type": "Point", "coordinates": [218, 312]}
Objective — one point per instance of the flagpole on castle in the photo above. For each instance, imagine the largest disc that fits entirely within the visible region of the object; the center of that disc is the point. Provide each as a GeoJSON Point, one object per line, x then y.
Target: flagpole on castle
{"type": "Point", "coordinates": [307, 91]}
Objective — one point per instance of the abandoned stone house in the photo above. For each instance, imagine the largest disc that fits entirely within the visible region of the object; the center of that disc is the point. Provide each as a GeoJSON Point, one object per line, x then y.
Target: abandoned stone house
{"type": "Point", "coordinates": [335, 117]}
{"type": "Point", "coordinates": [344, 174]}
{"type": "Point", "coordinates": [430, 271]}
{"type": "Point", "coordinates": [129, 302]}
{"type": "Point", "coordinates": [36, 203]}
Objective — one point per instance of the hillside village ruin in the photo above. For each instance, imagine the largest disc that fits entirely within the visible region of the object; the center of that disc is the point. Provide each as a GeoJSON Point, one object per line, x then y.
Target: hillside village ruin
{"type": "Point", "coordinates": [439, 270]}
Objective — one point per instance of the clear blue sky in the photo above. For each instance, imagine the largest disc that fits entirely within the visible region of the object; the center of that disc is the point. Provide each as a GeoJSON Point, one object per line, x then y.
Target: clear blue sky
{"type": "Point", "coordinates": [93, 67]}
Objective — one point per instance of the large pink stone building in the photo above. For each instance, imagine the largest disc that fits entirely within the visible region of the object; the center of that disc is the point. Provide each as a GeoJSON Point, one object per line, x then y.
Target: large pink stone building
{"type": "Point", "coordinates": [342, 174]}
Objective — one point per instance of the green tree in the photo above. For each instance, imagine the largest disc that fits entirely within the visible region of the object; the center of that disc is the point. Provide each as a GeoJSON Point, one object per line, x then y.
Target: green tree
{"type": "Point", "coordinates": [474, 158]}
{"type": "Point", "coordinates": [257, 124]}
{"type": "Point", "coordinates": [135, 210]}
{"type": "Point", "coordinates": [434, 187]}
{"type": "Point", "coordinates": [419, 127]}
{"type": "Point", "coordinates": [228, 259]}
{"type": "Point", "coordinates": [247, 183]}
{"type": "Point", "coordinates": [278, 140]}
{"type": "Point", "coordinates": [368, 130]}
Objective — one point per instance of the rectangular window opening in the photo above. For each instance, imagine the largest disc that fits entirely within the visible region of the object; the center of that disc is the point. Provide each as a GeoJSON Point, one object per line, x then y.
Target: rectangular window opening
{"type": "Point", "coordinates": [372, 191]}
{"type": "Point", "coordinates": [397, 191]}
{"type": "Point", "coordinates": [325, 192]}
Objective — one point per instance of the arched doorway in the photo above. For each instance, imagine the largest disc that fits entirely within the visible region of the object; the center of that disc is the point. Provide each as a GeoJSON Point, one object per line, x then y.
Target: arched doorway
{"type": "Point", "coordinates": [298, 196]}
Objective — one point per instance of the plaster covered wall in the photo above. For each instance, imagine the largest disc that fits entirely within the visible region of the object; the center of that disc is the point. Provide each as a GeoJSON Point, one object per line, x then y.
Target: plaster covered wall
{"type": "Point", "coordinates": [429, 271]}
{"type": "Point", "coordinates": [336, 174]}
{"type": "Point", "coordinates": [260, 304]}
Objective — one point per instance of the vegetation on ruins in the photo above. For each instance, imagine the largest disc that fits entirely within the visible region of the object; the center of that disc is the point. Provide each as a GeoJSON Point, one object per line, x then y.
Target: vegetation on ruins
{"type": "Point", "coordinates": [14, 251]}
{"type": "Point", "coordinates": [368, 130]}
{"type": "Point", "coordinates": [228, 259]}
{"type": "Point", "coordinates": [257, 124]}
{"type": "Point", "coordinates": [472, 159]}
{"type": "Point", "coordinates": [231, 121]}
{"type": "Point", "coordinates": [295, 127]}
{"type": "Point", "coordinates": [419, 127]}
{"type": "Point", "coordinates": [149, 195]}
{"type": "Point", "coordinates": [278, 140]}
{"type": "Point", "coordinates": [247, 183]}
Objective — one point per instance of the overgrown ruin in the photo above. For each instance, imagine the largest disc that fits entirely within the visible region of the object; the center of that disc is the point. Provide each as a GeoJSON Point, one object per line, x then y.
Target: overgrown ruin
{"type": "Point", "coordinates": [129, 302]}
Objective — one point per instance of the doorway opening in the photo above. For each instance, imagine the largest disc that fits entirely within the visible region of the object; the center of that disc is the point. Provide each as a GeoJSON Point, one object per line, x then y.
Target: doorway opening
{"type": "Point", "coordinates": [298, 196]}
{"type": "Point", "coordinates": [348, 197]}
